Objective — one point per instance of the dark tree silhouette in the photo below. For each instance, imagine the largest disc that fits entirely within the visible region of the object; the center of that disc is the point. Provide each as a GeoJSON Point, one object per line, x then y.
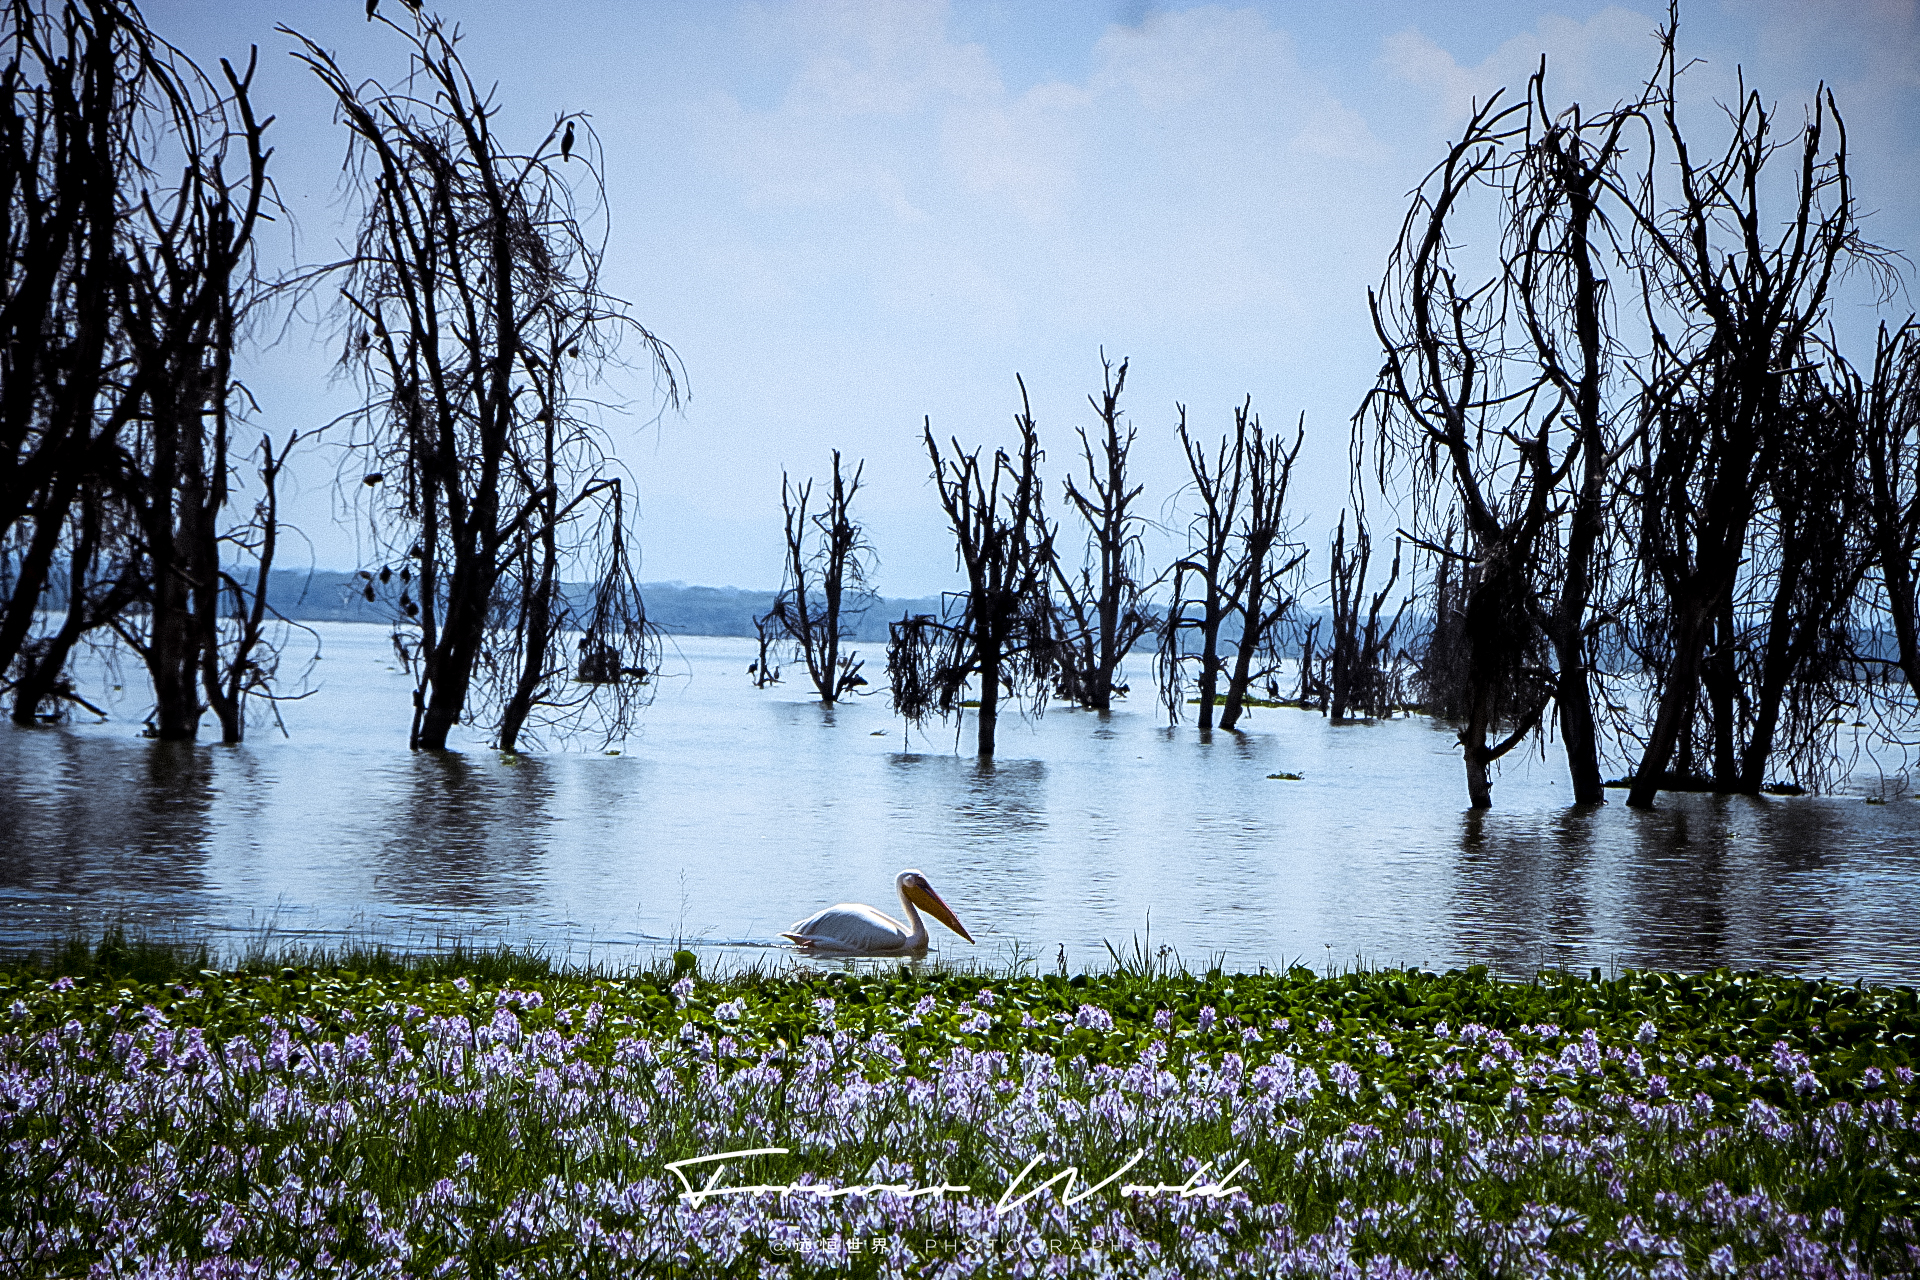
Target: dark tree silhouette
{"type": "Point", "coordinates": [1103, 611]}
{"type": "Point", "coordinates": [1362, 666]}
{"type": "Point", "coordinates": [1218, 486]}
{"type": "Point", "coordinates": [1467, 442]}
{"type": "Point", "coordinates": [70, 95]}
{"type": "Point", "coordinates": [1885, 408]}
{"type": "Point", "coordinates": [1004, 633]}
{"type": "Point", "coordinates": [1557, 253]}
{"type": "Point", "coordinates": [475, 317]}
{"type": "Point", "coordinates": [1734, 294]}
{"type": "Point", "coordinates": [133, 186]}
{"type": "Point", "coordinates": [1238, 562]}
{"type": "Point", "coordinates": [826, 586]}
{"type": "Point", "coordinates": [185, 294]}
{"type": "Point", "coordinates": [764, 670]}
{"type": "Point", "coordinates": [1266, 561]}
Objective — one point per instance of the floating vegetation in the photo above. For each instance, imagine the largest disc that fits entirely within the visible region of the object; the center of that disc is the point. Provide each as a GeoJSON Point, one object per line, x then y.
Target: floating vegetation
{"type": "Point", "coordinates": [412, 1119]}
{"type": "Point", "coordinates": [1286, 777]}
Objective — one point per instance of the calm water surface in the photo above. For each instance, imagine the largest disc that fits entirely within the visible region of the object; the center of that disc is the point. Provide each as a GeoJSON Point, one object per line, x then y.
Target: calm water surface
{"type": "Point", "coordinates": [736, 811]}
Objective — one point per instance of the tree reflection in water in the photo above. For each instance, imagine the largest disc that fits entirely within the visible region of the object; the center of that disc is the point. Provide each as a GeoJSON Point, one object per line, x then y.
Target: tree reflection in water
{"type": "Point", "coordinates": [740, 810]}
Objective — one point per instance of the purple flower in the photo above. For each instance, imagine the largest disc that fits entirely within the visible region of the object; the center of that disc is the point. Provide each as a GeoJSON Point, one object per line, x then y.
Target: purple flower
{"type": "Point", "coordinates": [1095, 1017]}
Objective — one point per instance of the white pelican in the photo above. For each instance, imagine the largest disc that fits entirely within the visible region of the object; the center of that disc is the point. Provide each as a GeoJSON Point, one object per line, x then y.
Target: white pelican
{"type": "Point", "coordinates": [855, 929]}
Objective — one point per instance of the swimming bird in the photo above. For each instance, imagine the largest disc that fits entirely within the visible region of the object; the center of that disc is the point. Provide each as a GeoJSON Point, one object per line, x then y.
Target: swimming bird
{"type": "Point", "coordinates": [855, 929]}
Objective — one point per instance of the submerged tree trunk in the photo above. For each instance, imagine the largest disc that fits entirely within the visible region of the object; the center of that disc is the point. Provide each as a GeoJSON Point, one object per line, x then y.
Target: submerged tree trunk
{"type": "Point", "coordinates": [1105, 605]}
{"type": "Point", "coordinates": [473, 315]}
{"type": "Point", "coordinates": [1005, 635]}
{"type": "Point", "coordinates": [989, 718]}
{"type": "Point", "coordinates": [1219, 484]}
{"type": "Point", "coordinates": [1263, 600]}
{"type": "Point", "coordinates": [1675, 709]}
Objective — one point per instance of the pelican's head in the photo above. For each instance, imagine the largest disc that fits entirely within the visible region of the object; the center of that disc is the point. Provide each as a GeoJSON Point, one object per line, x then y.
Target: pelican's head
{"type": "Point", "coordinates": [915, 889]}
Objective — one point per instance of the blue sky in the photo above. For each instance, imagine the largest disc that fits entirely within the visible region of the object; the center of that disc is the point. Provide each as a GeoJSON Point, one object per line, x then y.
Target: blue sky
{"type": "Point", "coordinates": [848, 216]}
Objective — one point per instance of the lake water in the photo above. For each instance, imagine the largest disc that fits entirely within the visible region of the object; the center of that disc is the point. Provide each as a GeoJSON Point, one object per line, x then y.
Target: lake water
{"type": "Point", "coordinates": [736, 811]}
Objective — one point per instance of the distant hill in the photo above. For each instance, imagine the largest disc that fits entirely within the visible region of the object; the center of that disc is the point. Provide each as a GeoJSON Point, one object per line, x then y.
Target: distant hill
{"type": "Point", "coordinates": [331, 595]}
{"type": "Point", "coordinates": [325, 595]}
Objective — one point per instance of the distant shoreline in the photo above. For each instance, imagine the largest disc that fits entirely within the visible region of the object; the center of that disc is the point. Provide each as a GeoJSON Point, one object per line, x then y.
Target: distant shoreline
{"type": "Point", "coordinates": [331, 595]}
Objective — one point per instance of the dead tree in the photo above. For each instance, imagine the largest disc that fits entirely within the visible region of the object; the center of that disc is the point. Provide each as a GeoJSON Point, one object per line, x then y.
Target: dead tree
{"type": "Point", "coordinates": [474, 318]}
{"type": "Point", "coordinates": [1885, 406]}
{"type": "Point", "coordinates": [764, 670]}
{"type": "Point", "coordinates": [1103, 610]}
{"type": "Point", "coordinates": [1003, 635]}
{"type": "Point", "coordinates": [187, 281]}
{"type": "Point", "coordinates": [1557, 255]}
{"type": "Point", "coordinates": [1440, 653]}
{"type": "Point", "coordinates": [826, 587]}
{"type": "Point", "coordinates": [159, 177]}
{"type": "Point", "coordinates": [100, 586]}
{"type": "Point", "coordinates": [1218, 485]}
{"type": "Point", "coordinates": [73, 97]}
{"type": "Point", "coordinates": [1733, 298]}
{"type": "Point", "coordinates": [1444, 412]}
{"type": "Point", "coordinates": [1266, 562]}
{"type": "Point", "coordinates": [1361, 659]}
{"type": "Point", "coordinates": [239, 659]}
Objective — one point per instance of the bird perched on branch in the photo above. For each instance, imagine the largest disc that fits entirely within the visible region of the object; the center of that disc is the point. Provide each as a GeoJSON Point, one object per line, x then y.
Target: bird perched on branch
{"type": "Point", "coordinates": [566, 142]}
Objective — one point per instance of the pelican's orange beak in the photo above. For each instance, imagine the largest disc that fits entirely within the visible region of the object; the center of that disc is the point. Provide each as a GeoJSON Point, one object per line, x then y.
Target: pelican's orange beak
{"type": "Point", "coordinates": [927, 900]}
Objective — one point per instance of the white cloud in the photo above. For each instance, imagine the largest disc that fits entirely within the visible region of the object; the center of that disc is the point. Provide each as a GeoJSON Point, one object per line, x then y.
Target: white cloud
{"type": "Point", "coordinates": [1335, 131]}
{"type": "Point", "coordinates": [878, 57]}
{"type": "Point", "coordinates": [1595, 63]}
{"type": "Point", "coordinates": [1024, 150]}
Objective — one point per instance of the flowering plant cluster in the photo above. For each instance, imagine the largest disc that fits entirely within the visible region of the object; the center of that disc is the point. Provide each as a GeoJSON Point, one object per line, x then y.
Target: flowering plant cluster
{"type": "Point", "coordinates": [1393, 1123]}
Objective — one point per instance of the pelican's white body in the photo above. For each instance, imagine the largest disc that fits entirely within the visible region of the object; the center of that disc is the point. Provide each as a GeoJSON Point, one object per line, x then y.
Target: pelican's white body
{"type": "Point", "coordinates": [856, 929]}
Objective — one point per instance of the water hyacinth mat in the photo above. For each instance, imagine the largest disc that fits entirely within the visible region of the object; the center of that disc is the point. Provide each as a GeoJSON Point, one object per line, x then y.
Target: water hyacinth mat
{"type": "Point", "coordinates": [409, 1122]}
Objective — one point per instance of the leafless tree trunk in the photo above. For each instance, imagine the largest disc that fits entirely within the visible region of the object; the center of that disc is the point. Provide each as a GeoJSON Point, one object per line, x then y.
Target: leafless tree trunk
{"type": "Point", "coordinates": [1267, 559]}
{"type": "Point", "coordinates": [248, 670]}
{"type": "Point", "coordinates": [1441, 409]}
{"type": "Point", "coordinates": [1106, 617]}
{"type": "Point", "coordinates": [1361, 654]}
{"type": "Point", "coordinates": [73, 85]}
{"type": "Point", "coordinates": [1733, 305]}
{"type": "Point", "coordinates": [1218, 484]}
{"type": "Point", "coordinates": [1886, 407]}
{"type": "Point", "coordinates": [816, 619]}
{"type": "Point", "coordinates": [186, 282]}
{"type": "Point", "coordinates": [473, 314]}
{"type": "Point", "coordinates": [1557, 255]}
{"type": "Point", "coordinates": [1004, 635]}
{"type": "Point", "coordinates": [763, 669]}
{"type": "Point", "coordinates": [129, 246]}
